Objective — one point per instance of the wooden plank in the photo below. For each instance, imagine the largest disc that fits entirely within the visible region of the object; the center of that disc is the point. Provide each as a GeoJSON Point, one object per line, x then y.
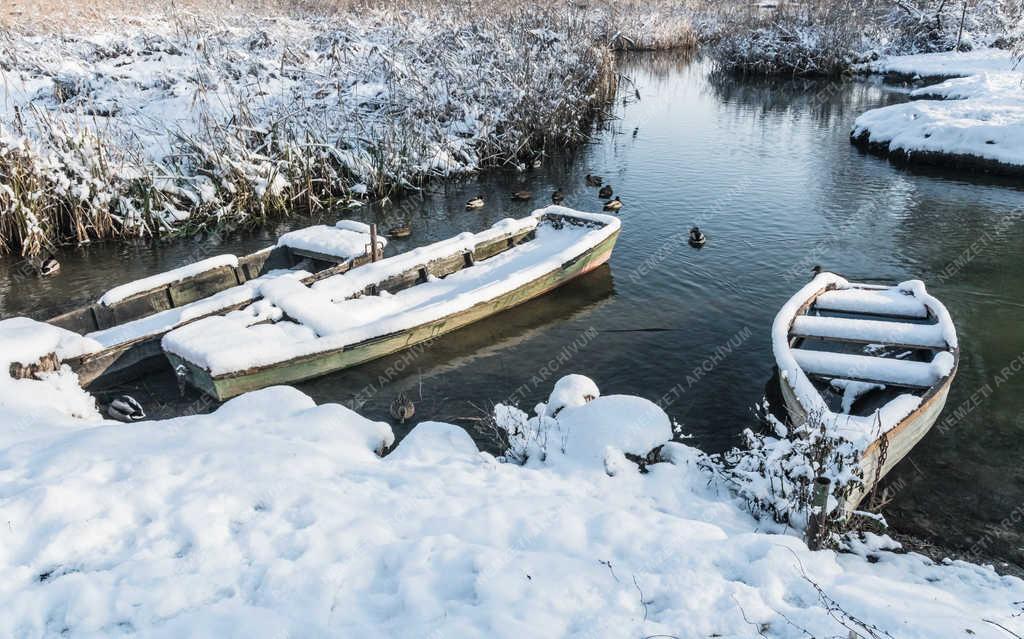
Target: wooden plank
{"type": "Point", "coordinates": [202, 286]}
{"type": "Point", "coordinates": [872, 301]}
{"type": "Point", "coordinates": [878, 370]}
{"type": "Point", "coordinates": [80, 320]}
{"type": "Point", "coordinates": [864, 331]}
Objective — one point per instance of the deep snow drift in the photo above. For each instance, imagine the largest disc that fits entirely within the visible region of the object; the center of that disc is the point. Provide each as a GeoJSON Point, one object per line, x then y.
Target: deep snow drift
{"type": "Point", "coordinates": [975, 121]}
{"type": "Point", "coordinates": [275, 517]}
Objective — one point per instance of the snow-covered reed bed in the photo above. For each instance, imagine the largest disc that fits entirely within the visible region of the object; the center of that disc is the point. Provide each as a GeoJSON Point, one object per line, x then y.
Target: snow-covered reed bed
{"type": "Point", "coordinates": [832, 37]}
{"type": "Point", "coordinates": [148, 126]}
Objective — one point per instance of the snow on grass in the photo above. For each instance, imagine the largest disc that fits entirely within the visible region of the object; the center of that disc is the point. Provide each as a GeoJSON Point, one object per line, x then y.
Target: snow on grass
{"type": "Point", "coordinates": [275, 517]}
{"type": "Point", "coordinates": [976, 122]}
{"type": "Point", "coordinates": [150, 124]}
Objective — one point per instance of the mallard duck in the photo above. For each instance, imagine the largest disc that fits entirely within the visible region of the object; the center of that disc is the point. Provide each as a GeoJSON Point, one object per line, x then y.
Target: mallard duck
{"type": "Point", "coordinates": [402, 230]}
{"type": "Point", "coordinates": [475, 203]}
{"type": "Point", "coordinates": [522, 195]}
{"type": "Point", "coordinates": [126, 409]}
{"type": "Point", "coordinates": [557, 197]}
{"type": "Point", "coordinates": [49, 266]}
{"type": "Point", "coordinates": [605, 192]}
{"type": "Point", "coordinates": [402, 408]}
{"type": "Point", "coordinates": [613, 205]}
{"type": "Point", "coordinates": [697, 238]}
{"type": "Point", "coordinates": [594, 180]}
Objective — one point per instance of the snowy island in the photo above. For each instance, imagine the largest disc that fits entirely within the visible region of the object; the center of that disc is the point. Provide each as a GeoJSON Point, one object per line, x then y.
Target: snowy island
{"type": "Point", "coordinates": [972, 121]}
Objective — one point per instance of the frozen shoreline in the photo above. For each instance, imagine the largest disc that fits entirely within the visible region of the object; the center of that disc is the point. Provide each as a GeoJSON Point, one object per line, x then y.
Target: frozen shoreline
{"type": "Point", "coordinates": [973, 121]}
{"type": "Point", "coordinates": [274, 516]}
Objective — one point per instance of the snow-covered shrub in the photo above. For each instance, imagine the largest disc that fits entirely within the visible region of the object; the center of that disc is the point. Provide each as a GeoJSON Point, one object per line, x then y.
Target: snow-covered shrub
{"type": "Point", "coordinates": [828, 38]}
{"type": "Point", "coordinates": [775, 470]}
{"type": "Point", "coordinates": [800, 39]}
{"type": "Point", "coordinates": [926, 26]}
{"type": "Point", "coordinates": [578, 426]}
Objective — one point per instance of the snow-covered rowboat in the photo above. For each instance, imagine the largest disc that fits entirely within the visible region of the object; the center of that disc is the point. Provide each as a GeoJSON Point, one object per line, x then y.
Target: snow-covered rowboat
{"type": "Point", "coordinates": [125, 325]}
{"type": "Point", "coordinates": [299, 331]}
{"type": "Point", "coordinates": [873, 362]}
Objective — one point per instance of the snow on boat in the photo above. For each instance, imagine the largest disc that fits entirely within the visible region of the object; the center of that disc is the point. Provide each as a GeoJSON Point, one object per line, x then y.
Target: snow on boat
{"type": "Point", "coordinates": [125, 325]}
{"type": "Point", "coordinates": [874, 362]}
{"type": "Point", "coordinates": [299, 331]}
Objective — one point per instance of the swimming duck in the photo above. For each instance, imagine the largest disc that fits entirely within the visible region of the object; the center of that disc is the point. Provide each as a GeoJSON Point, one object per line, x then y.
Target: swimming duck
{"type": "Point", "coordinates": [697, 238]}
{"type": "Point", "coordinates": [557, 197]}
{"type": "Point", "coordinates": [522, 195]}
{"type": "Point", "coordinates": [605, 192]}
{"type": "Point", "coordinates": [475, 203]}
{"type": "Point", "coordinates": [594, 180]}
{"type": "Point", "coordinates": [613, 205]}
{"type": "Point", "coordinates": [402, 230]}
{"type": "Point", "coordinates": [126, 409]}
{"type": "Point", "coordinates": [402, 408]}
{"type": "Point", "coordinates": [49, 266]}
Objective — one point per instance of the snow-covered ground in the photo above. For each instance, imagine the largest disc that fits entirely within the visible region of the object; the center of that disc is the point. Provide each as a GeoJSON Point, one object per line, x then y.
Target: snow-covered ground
{"type": "Point", "coordinates": [274, 517]}
{"type": "Point", "coordinates": [975, 120]}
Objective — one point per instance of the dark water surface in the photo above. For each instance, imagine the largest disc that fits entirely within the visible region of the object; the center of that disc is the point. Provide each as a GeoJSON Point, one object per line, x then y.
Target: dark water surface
{"type": "Point", "coordinates": [767, 170]}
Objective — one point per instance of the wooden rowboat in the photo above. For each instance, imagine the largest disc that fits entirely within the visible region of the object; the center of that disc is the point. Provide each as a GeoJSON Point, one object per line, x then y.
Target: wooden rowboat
{"type": "Point", "coordinates": [127, 323]}
{"type": "Point", "coordinates": [396, 303]}
{"type": "Point", "coordinates": [874, 362]}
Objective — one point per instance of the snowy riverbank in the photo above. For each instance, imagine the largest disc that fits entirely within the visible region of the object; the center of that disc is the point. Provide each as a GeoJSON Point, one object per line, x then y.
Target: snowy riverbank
{"type": "Point", "coordinates": [273, 516]}
{"type": "Point", "coordinates": [973, 121]}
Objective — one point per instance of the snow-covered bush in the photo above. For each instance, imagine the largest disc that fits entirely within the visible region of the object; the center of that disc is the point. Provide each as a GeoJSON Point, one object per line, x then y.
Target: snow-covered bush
{"type": "Point", "coordinates": [775, 469]}
{"type": "Point", "coordinates": [578, 426]}
{"type": "Point", "coordinates": [829, 38]}
{"type": "Point", "coordinates": [926, 26]}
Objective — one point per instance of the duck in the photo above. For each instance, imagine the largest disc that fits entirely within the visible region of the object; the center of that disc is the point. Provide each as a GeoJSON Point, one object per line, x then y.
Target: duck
{"type": "Point", "coordinates": [126, 409]}
{"type": "Point", "coordinates": [402, 408]}
{"type": "Point", "coordinates": [402, 230]}
{"type": "Point", "coordinates": [605, 192]}
{"type": "Point", "coordinates": [475, 203]}
{"type": "Point", "coordinates": [557, 197]}
{"type": "Point", "coordinates": [613, 205]}
{"type": "Point", "coordinates": [522, 195]}
{"type": "Point", "coordinates": [49, 266]}
{"type": "Point", "coordinates": [697, 238]}
{"type": "Point", "coordinates": [594, 180]}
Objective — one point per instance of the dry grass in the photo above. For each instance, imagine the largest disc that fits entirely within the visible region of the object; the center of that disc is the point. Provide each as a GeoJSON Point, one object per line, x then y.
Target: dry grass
{"type": "Point", "coordinates": [285, 105]}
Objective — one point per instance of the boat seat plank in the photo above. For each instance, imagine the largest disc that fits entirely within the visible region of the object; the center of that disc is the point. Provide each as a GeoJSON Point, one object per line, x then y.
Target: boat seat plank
{"type": "Point", "coordinates": [890, 302]}
{"type": "Point", "coordinates": [864, 331]}
{"type": "Point", "coordinates": [879, 370]}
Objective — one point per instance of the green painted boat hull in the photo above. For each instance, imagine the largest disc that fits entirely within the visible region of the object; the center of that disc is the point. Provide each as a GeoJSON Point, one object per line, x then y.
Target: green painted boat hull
{"type": "Point", "coordinates": [295, 370]}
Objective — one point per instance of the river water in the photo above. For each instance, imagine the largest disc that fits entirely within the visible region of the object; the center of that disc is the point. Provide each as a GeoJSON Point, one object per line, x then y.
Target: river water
{"type": "Point", "coordinates": [765, 167]}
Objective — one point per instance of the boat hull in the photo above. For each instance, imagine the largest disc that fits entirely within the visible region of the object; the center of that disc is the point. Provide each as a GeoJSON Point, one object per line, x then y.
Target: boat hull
{"type": "Point", "coordinates": [318, 364]}
{"type": "Point", "coordinates": [899, 440]}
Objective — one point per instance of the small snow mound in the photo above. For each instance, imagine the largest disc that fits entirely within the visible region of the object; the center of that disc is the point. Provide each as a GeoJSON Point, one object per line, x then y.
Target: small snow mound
{"type": "Point", "coordinates": [271, 403]}
{"type": "Point", "coordinates": [352, 225]}
{"type": "Point", "coordinates": [434, 442]}
{"type": "Point", "coordinates": [571, 390]}
{"type": "Point", "coordinates": [631, 424]}
{"type": "Point", "coordinates": [25, 341]}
